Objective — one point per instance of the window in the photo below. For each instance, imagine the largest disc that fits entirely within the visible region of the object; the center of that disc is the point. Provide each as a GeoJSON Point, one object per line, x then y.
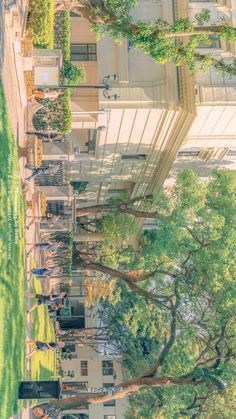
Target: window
{"type": "Point", "coordinates": [75, 385]}
{"type": "Point", "coordinates": [186, 153]}
{"type": "Point", "coordinates": [74, 14]}
{"type": "Point", "coordinates": [214, 42]}
{"type": "Point", "coordinates": [83, 52]}
{"type": "Point", "coordinates": [56, 207]}
{"type": "Point", "coordinates": [69, 347]}
{"type": "Point", "coordinates": [76, 416]}
{"type": "Point", "coordinates": [109, 416]}
{"type": "Point", "coordinates": [231, 153]}
{"type": "Point", "coordinates": [84, 141]}
{"type": "Point", "coordinates": [111, 402]}
{"type": "Point", "coordinates": [121, 187]}
{"type": "Point", "coordinates": [83, 368]}
{"type": "Point", "coordinates": [133, 157]}
{"type": "Point", "coordinates": [107, 368]}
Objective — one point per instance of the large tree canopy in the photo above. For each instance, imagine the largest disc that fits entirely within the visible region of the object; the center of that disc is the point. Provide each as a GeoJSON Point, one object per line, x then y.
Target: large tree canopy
{"type": "Point", "coordinates": [181, 308]}
{"type": "Point", "coordinates": [163, 41]}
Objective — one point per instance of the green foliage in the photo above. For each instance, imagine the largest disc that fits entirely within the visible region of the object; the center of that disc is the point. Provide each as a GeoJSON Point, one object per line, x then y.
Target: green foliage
{"type": "Point", "coordinates": [203, 17]}
{"type": "Point", "coordinates": [41, 22]}
{"type": "Point", "coordinates": [62, 33]}
{"type": "Point", "coordinates": [71, 73]}
{"type": "Point", "coordinates": [116, 227]}
{"type": "Point", "coordinates": [79, 186]}
{"type": "Point", "coordinates": [54, 115]}
{"type": "Point", "coordinates": [136, 340]}
{"type": "Point", "coordinates": [228, 33]}
{"type": "Point", "coordinates": [163, 41]}
{"type": "Point", "coordinates": [191, 255]}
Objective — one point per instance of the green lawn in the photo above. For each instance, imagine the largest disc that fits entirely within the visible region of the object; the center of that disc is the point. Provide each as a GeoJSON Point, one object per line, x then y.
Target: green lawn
{"type": "Point", "coordinates": [12, 271]}
{"type": "Point", "coordinates": [43, 364]}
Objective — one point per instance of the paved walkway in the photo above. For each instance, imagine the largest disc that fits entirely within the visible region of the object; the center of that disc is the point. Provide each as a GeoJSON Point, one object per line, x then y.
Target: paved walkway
{"type": "Point", "coordinates": [11, 27]}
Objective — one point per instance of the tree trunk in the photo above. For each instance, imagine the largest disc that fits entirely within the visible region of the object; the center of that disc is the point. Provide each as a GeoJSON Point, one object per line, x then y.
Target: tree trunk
{"type": "Point", "coordinates": [129, 280]}
{"type": "Point", "coordinates": [122, 390]}
{"type": "Point", "coordinates": [122, 207]}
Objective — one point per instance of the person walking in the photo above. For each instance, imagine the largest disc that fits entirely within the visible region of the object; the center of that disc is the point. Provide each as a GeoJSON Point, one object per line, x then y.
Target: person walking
{"type": "Point", "coordinates": [46, 137]}
{"type": "Point", "coordinates": [46, 272]}
{"type": "Point", "coordinates": [51, 94]}
{"type": "Point", "coordinates": [50, 170]}
{"type": "Point", "coordinates": [48, 247]}
{"type": "Point", "coordinates": [50, 219]}
{"type": "Point", "coordinates": [49, 300]}
{"type": "Point", "coordinates": [44, 346]}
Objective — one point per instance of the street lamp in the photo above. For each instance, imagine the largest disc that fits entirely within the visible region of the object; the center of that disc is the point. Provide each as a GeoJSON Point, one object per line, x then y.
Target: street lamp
{"type": "Point", "coordinates": [106, 86]}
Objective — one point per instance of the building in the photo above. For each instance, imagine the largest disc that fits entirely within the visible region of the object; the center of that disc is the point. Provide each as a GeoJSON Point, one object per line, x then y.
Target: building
{"type": "Point", "coordinates": [129, 144]}
{"type": "Point", "coordinates": [211, 140]}
{"type": "Point", "coordinates": [93, 364]}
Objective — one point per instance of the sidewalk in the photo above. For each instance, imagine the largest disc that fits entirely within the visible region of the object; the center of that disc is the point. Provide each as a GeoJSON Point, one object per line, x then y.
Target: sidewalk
{"type": "Point", "coordinates": [15, 92]}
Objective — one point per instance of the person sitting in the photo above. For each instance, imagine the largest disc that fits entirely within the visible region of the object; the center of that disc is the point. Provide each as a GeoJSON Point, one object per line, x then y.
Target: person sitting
{"type": "Point", "coordinates": [44, 346]}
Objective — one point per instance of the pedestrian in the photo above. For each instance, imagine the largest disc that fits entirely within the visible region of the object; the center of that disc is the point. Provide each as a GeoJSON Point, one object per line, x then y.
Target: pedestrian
{"type": "Point", "coordinates": [49, 300]}
{"type": "Point", "coordinates": [46, 272]}
{"type": "Point", "coordinates": [54, 219]}
{"type": "Point", "coordinates": [51, 94]}
{"type": "Point", "coordinates": [48, 247]}
{"type": "Point", "coordinates": [45, 137]}
{"type": "Point", "coordinates": [44, 346]}
{"type": "Point", "coordinates": [51, 170]}
{"type": "Point", "coordinates": [50, 219]}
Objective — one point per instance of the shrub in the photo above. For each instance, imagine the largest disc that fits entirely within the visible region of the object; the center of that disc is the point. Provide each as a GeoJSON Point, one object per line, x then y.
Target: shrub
{"type": "Point", "coordinates": [54, 115]}
{"type": "Point", "coordinates": [62, 32]}
{"type": "Point", "coordinates": [71, 74]}
{"type": "Point", "coordinates": [41, 22]}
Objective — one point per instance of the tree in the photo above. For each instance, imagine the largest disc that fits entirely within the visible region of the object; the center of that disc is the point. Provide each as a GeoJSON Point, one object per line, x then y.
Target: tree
{"type": "Point", "coordinates": [186, 295]}
{"type": "Point", "coordinates": [122, 206]}
{"type": "Point", "coordinates": [71, 73]}
{"type": "Point", "coordinates": [162, 41]}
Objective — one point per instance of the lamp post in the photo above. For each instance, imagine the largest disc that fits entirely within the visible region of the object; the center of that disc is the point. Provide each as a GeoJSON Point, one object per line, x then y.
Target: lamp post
{"type": "Point", "coordinates": [106, 86]}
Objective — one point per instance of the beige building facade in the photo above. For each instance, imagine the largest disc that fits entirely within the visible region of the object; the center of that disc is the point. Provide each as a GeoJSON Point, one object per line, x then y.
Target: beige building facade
{"type": "Point", "coordinates": [128, 144]}
{"type": "Point", "coordinates": [211, 140]}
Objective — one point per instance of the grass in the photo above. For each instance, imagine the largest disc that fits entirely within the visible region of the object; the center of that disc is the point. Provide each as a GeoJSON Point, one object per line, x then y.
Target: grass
{"type": "Point", "coordinates": [13, 270]}
{"type": "Point", "coordinates": [41, 22]}
{"type": "Point", "coordinates": [43, 364]}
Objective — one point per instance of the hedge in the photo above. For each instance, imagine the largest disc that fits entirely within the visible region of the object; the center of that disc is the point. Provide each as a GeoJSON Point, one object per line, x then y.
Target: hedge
{"type": "Point", "coordinates": [55, 115]}
{"type": "Point", "coordinates": [62, 33]}
{"type": "Point", "coordinates": [41, 22]}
